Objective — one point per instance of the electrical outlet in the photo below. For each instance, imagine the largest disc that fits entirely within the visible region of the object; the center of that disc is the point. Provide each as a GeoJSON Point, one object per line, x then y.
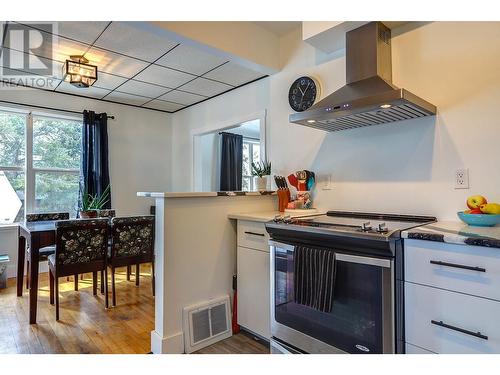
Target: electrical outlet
{"type": "Point", "coordinates": [462, 178]}
{"type": "Point", "coordinates": [326, 182]}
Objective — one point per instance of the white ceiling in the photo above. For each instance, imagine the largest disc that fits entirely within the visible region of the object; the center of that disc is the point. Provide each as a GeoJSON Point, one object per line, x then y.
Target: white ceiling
{"type": "Point", "coordinates": [135, 66]}
{"type": "Point", "coordinates": [279, 28]}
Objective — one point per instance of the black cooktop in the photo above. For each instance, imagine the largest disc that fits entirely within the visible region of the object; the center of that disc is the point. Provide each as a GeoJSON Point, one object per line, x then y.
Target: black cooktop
{"type": "Point", "coordinates": [345, 228]}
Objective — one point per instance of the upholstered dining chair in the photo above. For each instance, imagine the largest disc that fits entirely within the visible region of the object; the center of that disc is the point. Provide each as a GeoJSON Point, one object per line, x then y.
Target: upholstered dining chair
{"type": "Point", "coordinates": [132, 242]}
{"type": "Point", "coordinates": [109, 213]}
{"type": "Point", "coordinates": [47, 250]}
{"type": "Point", "coordinates": [105, 213]}
{"type": "Point", "coordinates": [81, 247]}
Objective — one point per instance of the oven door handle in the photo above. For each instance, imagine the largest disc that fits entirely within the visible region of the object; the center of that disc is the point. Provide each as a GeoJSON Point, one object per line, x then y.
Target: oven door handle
{"type": "Point", "coordinates": [386, 263]}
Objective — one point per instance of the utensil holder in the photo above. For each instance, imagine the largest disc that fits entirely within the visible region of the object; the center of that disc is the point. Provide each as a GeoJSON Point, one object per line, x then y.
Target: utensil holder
{"type": "Point", "coordinates": [283, 199]}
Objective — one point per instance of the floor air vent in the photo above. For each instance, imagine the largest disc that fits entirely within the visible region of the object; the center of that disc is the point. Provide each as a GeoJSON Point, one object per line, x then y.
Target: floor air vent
{"type": "Point", "coordinates": [206, 323]}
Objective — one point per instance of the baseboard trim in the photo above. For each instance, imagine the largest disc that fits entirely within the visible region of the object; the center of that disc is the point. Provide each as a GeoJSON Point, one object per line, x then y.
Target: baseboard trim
{"type": "Point", "coordinates": [173, 344]}
{"type": "Point", "coordinates": [12, 269]}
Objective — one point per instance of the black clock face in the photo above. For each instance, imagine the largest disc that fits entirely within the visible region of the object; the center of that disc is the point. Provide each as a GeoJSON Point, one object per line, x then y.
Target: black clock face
{"type": "Point", "coordinates": [302, 94]}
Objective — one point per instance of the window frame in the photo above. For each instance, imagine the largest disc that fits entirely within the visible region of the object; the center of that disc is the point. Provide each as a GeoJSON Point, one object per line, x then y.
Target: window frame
{"type": "Point", "coordinates": [251, 142]}
{"type": "Point", "coordinates": [29, 170]}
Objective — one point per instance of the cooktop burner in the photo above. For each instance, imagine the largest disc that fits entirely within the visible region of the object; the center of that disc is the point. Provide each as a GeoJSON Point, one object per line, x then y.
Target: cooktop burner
{"type": "Point", "coordinates": [355, 224]}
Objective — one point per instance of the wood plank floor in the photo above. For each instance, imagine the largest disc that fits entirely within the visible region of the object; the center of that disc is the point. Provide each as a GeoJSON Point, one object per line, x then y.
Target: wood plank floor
{"type": "Point", "coordinates": [85, 326]}
{"type": "Point", "coordinates": [242, 343]}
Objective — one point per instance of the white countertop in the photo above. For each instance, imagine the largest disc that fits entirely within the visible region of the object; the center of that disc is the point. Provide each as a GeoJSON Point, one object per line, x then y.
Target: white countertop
{"type": "Point", "coordinates": [456, 232]}
{"type": "Point", "coordinates": [263, 216]}
{"type": "Point", "coordinates": [201, 194]}
{"type": "Point", "coordinates": [8, 226]}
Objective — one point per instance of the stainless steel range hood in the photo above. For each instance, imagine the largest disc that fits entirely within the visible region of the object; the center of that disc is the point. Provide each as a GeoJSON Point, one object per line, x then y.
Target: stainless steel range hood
{"type": "Point", "coordinates": [369, 97]}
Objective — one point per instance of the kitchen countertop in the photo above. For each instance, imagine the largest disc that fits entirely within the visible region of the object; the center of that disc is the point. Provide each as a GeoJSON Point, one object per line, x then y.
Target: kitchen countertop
{"type": "Point", "coordinates": [263, 217]}
{"type": "Point", "coordinates": [201, 194]}
{"type": "Point", "coordinates": [456, 232]}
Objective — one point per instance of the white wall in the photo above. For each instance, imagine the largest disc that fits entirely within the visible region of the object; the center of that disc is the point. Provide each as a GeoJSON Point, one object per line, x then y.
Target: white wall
{"type": "Point", "coordinates": [405, 167]}
{"type": "Point", "coordinates": [196, 258]}
{"type": "Point", "coordinates": [209, 144]}
{"type": "Point", "coordinates": [226, 109]}
{"type": "Point", "coordinates": [139, 150]}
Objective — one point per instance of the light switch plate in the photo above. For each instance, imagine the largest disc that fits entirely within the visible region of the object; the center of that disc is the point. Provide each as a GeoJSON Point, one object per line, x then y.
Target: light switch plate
{"type": "Point", "coordinates": [462, 178]}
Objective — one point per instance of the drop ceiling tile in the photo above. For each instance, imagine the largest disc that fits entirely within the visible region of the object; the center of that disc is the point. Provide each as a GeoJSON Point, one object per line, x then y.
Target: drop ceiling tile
{"type": "Point", "coordinates": [164, 106]}
{"type": "Point", "coordinates": [91, 92]}
{"type": "Point", "coordinates": [45, 83]}
{"type": "Point", "coordinates": [23, 62]}
{"type": "Point", "coordinates": [57, 68]}
{"type": "Point", "coordinates": [233, 74]}
{"type": "Point", "coordinates": [7, 73]}
{"type": "Point", "coordinates": [82, 31]}
{"type": "Point", "coordinates": [59, 51]}
{"type": "Point", "coordinates": [125, 98]}
{"type": "Point", "coordinates": [142, 89]}
{"type": "Point", "coordinates": [114, 63]}
{"type": "Point", "coordinates": [206, 87]}
{"type": "Point", "coordinates": [163, 76]}
{"type": "Point", "coordinates": [26, 79]}
{"type": "Point", "coordinates": [190, 60]}
{"type": "Point", "coordinates": [129, 39]}
{"type": "Point", "coordinates": [182, 97]}
{"type": "Point", "coordinates": [108, 81]}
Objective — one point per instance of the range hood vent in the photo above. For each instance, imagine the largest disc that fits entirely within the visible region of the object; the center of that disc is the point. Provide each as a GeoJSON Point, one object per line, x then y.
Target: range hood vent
{"type": "Point", "coordinates": [369, 97]}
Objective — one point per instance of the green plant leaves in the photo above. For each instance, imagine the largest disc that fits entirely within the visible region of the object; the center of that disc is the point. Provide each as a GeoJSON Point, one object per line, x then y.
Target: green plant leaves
{"type": "Point", "coordinates": [97, 202]}
{"type": "Point", "coordinates": [261, 169]}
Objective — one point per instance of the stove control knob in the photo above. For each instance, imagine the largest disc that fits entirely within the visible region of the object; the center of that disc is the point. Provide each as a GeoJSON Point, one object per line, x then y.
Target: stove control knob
{"type": "Point", "coordinates": [366, 227]}
{"type": "Point", "coordinates": [278, 219]}
{"type": "Point", "coordinates": [287, 219]}
{"type": "Point", "coordinates": [382, 228]}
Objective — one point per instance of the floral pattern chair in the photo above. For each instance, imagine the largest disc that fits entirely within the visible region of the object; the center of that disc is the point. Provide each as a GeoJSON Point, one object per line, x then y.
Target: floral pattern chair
{"type": "Point", "coordinates": [105, 213]}
{"type": "Point", "coordinates": [81, 247]}
{"type": "Point", "coordinates": [132, 242]}
{"type": "Point", "coordinates": [47, 250]}
{"type": "Point", "coordinates": [109, 213]}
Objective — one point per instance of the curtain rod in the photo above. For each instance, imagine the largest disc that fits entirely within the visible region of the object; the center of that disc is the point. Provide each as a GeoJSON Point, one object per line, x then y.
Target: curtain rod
{"type": "Point", "coordinates": [50, 108]}
{"type": "Point", "coordinates": [244, 136]}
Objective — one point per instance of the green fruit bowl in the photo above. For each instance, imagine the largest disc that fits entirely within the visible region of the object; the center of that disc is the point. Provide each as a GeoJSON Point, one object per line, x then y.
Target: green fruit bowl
{"type": "Point", "coordinates": [479, 220]}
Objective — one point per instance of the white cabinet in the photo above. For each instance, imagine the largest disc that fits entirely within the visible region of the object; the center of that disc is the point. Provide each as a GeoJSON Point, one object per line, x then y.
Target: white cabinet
{"type": "Point", "coordinates": [449, 322]}
{"type": "Point", "coordinates": [472, 270]}
{"type": "Point", "coordinates": [451, 298]}
{"type": "Point", "coordinates": [253, 291]}
{"type": "Point", "coordinates": [253, 235]}
{"type": "Point", "coordinates": [253, 278]}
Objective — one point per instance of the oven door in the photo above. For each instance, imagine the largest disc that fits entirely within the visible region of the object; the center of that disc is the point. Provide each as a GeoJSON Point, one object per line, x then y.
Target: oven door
{"type": "Point", "coordinates": [362, 317]}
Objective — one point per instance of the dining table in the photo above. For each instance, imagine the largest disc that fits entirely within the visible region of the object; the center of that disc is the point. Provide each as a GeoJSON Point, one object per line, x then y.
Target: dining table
{"type": "Point", "coordinates": [36, 234]}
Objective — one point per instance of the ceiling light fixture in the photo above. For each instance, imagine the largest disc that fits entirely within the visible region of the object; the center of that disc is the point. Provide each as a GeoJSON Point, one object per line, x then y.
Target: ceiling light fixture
{"type": "Point", "coordinates": [385, 106]}
{"type": "Point", "coordinates": [311, 121]}
{"type": "Point", "coordinates": [78, 72]}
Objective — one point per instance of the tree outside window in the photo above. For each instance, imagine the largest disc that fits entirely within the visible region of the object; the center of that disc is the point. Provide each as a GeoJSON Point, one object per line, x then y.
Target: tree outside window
{"type": "Point", "coordinates": [44, 172]}
{"type": "Point", "coordinates": [251, 154]}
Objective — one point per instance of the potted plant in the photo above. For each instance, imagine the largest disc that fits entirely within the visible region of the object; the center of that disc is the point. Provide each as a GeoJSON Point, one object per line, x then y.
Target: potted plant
{"type": "Point", "coordinates": [92, 204]}
{"type": "Point", "coordinates": [261, 171]}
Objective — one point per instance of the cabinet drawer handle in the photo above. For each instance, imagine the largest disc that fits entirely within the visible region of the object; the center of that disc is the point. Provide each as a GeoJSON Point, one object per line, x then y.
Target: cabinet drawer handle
{"type": "Point", "coordinates": [439, 263]}
{"type": "Point", "coordinates": [256, 234]}
{"type": "Point", "coordinates": [467, 332]}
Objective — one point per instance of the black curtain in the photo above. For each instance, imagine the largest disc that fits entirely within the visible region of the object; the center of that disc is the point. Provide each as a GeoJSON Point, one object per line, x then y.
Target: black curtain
{"type": "Point", "coordinates": [95, 168]}
{"type": "Point", "coordinates": [231, 165]}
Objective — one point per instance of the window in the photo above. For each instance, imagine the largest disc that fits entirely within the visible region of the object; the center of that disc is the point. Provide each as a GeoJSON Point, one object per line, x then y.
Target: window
{"type": "Point", "coordinates": [40, 158]}
{"type": "Point", "coordinates": [57, 147]}
{"type": "Point", "coordinates": [12, 161]}
{"type": "Point", "coordinates": [251, 154]}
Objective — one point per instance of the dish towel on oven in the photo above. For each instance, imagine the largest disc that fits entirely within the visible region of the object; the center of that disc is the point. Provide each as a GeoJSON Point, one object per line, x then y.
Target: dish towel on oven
{"type": "Point", "coordinates": [314, 277]}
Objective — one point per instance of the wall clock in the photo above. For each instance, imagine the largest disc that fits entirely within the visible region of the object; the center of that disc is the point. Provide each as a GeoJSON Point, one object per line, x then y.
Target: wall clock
{"type": "Point", "coordinates": [303, 93]}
